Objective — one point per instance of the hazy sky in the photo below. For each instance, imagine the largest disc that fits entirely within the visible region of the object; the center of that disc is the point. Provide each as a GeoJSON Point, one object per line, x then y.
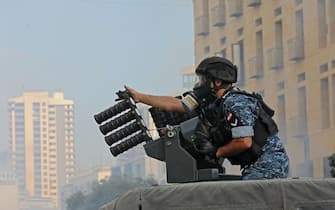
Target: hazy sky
{"type": "Point", "coordinates": [89, 49]}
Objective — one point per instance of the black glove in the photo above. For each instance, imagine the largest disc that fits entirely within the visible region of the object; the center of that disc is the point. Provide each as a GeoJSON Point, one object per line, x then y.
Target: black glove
{"type": "Point", "coordinates": [202, 141]}
{"type": "Point", "coordinates": [204, 146]}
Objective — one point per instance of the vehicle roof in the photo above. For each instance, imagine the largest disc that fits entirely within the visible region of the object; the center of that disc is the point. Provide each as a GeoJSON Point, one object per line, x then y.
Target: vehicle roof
{"type": "Point", "coordinates": [302, 194]}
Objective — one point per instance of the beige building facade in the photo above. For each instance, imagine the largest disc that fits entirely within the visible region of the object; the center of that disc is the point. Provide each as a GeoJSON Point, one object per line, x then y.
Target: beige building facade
{"type": "Point", "coordinates": [285, 50]}
{"type": "Point", "coordinates": [42, 143]}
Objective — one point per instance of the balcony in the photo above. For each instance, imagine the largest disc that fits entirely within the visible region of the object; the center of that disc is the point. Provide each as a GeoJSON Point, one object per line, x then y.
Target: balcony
{"type": "Point", "coordinates": [254, 3]}
{"type": "Point", "coordinates": [295, 49]}
{"type": "Point", "coordinates": [275, 58]}
{"type": "Point", "coordinates": [235, 8]}
{"type": "Point", "coordinates": [255, 67]}
{"type": "Point", "coordinates": [218, 16]}
{"type": "Point", "coordinates": [202, 26]}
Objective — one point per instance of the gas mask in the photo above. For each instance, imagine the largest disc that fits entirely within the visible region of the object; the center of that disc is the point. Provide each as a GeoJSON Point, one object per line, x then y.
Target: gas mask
{"type": "Point", "coordinates": [201, 94]}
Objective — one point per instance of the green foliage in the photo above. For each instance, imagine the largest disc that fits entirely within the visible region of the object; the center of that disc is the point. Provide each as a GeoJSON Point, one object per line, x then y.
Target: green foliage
{"type": "Point", "coordinates": [75, 201]}
{"type": "Point", "coordinates": [332, 164]}
{"type": "Point", "coordinates": [105, 192]}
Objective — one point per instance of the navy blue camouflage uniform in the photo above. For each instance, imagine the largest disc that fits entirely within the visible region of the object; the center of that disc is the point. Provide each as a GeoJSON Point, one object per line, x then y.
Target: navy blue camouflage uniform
{"type": "Point", "coordinates": [240, 113]}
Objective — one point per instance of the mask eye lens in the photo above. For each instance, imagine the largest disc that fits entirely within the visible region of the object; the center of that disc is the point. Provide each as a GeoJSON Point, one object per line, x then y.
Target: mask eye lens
{"type": "Point", "coordinates": [201, 80]}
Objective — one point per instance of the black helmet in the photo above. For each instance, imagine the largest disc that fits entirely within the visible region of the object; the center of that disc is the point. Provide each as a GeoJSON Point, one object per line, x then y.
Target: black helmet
{"type": "Point", "coordinates": [218, 68]}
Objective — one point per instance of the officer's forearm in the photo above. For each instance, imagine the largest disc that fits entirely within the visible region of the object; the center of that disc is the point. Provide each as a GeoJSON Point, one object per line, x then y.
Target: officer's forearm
{"type": "Point", "coordinates": [167, 103]}
{"type": "Point", "coordinates": [235, 147]}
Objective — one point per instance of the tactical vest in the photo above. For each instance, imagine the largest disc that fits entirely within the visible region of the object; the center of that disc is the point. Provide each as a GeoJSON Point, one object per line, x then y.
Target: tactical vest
{"type": "Point", "coordinates": [221, 134]}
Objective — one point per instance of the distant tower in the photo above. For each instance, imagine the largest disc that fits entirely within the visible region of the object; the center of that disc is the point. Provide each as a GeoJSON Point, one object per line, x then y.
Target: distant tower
{"type": "Point", "coordinates": [189, 77]}
{"type": "Point", "coordinates": [42, 143]}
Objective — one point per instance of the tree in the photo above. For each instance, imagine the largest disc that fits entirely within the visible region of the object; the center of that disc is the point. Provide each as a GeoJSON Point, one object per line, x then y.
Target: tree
{"type": "Point", "coordinates": [75, 200]}
{"type": "Point", "coordinates": [105, 192]}
{"type": "Point", "coordinates": [332, 164]}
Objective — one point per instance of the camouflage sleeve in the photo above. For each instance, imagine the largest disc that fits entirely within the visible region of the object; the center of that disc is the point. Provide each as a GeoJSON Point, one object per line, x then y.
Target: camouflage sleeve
{"type": "Point", "coordinates": [241, 113]}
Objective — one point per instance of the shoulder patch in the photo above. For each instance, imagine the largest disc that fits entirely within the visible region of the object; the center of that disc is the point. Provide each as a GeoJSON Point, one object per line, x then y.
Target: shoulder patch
{"type": "Point", "coordinates": [232, 120]}
{"type": "Point", "coordinates": [230, 115]}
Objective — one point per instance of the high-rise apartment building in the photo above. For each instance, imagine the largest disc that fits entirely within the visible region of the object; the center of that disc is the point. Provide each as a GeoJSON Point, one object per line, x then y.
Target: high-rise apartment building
{"type": "Point", "coordinates": [42, 143]}
{"type": "Point", "coordinates": [285, 50]}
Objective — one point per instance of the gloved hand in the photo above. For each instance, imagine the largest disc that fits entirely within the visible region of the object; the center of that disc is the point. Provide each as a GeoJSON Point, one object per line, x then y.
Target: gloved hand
{"type": "Point", "coordinates": [202, 141]}
{"type": "Point", "coordinates": [204, 146]}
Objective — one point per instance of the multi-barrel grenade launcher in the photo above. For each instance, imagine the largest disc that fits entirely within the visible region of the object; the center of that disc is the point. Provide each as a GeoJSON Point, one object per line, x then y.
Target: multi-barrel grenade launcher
{"type": "Point", "coordinates": [124, 128]}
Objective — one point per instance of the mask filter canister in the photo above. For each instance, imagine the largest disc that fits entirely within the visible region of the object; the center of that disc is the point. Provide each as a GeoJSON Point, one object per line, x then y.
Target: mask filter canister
{"type": "Point", "coordinates": [192, 99]}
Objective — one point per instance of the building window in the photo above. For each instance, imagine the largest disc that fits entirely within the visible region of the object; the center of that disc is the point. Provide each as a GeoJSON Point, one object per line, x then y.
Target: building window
{"type": "Point", "coordinates": [235, 8]}
{"type": "Point", "coordinates": [202, 22]}
{"type": "Point", "coordinates": [322, 20]}
{"type": "Point", "coordinates": [19, 110]}
{"type": "Point", "coordinates": [331, 17]}
{"type": "Point", "coordinates": [325, 121]}
{"type": "Point", "coordinates": [276, 54]}
{"type": "Point", "coordinates": [258, 21]}
{"type": "Point", "coordinates": [282, 117]}
{"type": "Point", "coordinates": [224, 53]}
{"type": "Point", "coordinates": [223, 40]}
{"type": "Point", "coordinates": [238, 60]}
{"type": "Point", "coordinates": [301, 77]}
{"type": "Point", "coordinates": [240, 32]}
{"type": "Point", "coordinates": [254, 3]}
{"type": "Point", "coordinates": [302, 112]}
{"type": "Point", "coordinates": [297, 2]}
{"type": "Point", "coordinates": [36, 104]}
{"type": "Point", "coordinates": [277, 11]}
{"type": "Point", "coordinates": [296, 44]}
{"type": "Point", "coordinates": [324, 68]}
{"type": "Point", "coordinates": [280, 85]}
{"type": "Point", "coordinates": [300, 23]}
{"type": "Point", "coordinates": [333, 91]}
{"type": "Point", "coordinates": [207, 49]}
{"type": "Point", "coordinates": [259, 52]}
{"type": "Point", "coordinates": [218, 14]}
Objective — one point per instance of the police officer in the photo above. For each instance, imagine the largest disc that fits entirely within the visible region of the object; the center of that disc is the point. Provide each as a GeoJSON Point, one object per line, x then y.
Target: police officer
{"type": "Point", "coordinates": [234, 124]}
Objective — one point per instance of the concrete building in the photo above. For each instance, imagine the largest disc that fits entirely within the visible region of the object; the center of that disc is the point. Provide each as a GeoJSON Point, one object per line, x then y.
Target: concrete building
{"type": "Point", "coordinates": [9, 195]}
{"type": "Point", "coordinates": [5, 161]}
{"type": "Point", "coordinates": [188, 77]}
{"type": "Point", "coordinates": [285, 50]}
{"type": "Point", "coordinates": [36, 203]}
{"type": "Point", "coordinates": [42, 143]}
{"type": "Point", "coordinates": [9, 191]}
